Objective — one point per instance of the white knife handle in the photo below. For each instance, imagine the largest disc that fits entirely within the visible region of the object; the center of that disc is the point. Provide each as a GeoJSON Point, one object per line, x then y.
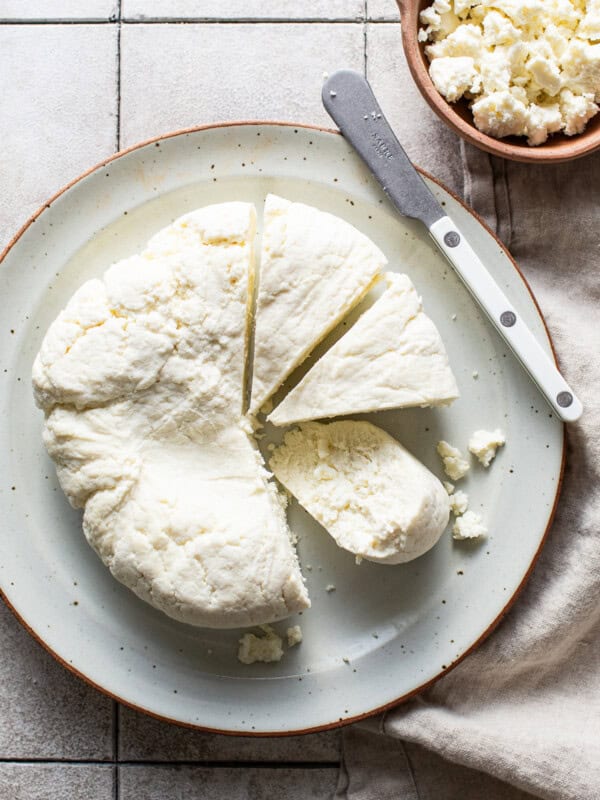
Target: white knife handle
{"type": "Point", "coordinates": [506, 319]}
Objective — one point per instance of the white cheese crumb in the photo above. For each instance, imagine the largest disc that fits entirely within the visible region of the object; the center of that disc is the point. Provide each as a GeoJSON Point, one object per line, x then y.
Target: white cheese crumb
{"type": "Point", "coordinates": [527, 67]}
{"type": "Point", "coordinates": [294, 635]}
{"type": "Point", "coordinates": [484, 444]}
{"type": "Point", "coordinates": [330, 588]}
{"type": "Point", "coordinates": [270, 447]}
{"type": "Point", "coordinates": [358, 559]}
{"type": "Point", "coordinates": [475, 374]}
{"type": "Point", "coordinates": [449, 487]}
{"type": "Point", "coordinates": [459, 503]}
{"type": "Point", "coordinates": [265, 648]}
{"type": "Point", "coordinates": [346, 660]}
{"type": "Point", "coordinates": [454, 317]}
{"type": "Point", "coordinates": [469, 526]}
{"type": "Point", "coordinates": [455, 464]}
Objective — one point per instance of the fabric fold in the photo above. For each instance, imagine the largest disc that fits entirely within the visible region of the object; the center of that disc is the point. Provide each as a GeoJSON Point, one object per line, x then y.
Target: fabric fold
{"type": "Point", "coordinates": [523, 712]}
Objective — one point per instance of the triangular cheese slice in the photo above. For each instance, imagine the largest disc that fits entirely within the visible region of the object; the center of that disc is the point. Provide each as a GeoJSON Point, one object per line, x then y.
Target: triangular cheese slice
{"type": "Point", "coordinates": [393, 357]}
{"type": "Point", "coordinates": [369, 493]}
{"type": "Point", "coordinates": [314, 268]}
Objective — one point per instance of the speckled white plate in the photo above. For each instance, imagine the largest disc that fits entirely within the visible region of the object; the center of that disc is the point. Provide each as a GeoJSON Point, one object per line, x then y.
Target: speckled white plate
{"type": "Point", "coordinates": [385, 632]}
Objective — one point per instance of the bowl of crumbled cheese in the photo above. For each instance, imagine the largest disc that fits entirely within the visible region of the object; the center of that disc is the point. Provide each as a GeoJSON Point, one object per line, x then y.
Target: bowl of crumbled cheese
{"type": "Point", "coordinates": [517, 78]}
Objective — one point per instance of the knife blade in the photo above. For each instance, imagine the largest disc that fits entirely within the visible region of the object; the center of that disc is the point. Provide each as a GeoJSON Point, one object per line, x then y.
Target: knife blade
{"type": "Point", "coordinates": [350, 102]}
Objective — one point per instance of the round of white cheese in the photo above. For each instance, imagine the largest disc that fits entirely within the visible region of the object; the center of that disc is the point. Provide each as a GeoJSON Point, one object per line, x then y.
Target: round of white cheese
{"type": "Point", "coordinates": [142, 381]}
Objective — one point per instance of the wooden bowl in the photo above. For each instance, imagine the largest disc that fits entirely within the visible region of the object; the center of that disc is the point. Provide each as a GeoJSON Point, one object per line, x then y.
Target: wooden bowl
{"type": "Point", "coordinates": [458, 115]}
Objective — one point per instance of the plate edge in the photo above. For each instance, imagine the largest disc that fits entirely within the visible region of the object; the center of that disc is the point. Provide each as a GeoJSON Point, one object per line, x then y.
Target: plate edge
{"type": "Point", "coordinates": [393, 703]}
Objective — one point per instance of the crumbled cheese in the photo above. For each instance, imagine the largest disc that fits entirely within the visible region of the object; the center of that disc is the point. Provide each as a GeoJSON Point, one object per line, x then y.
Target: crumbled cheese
{"type": "Point", "coordinates": [453, 77]}
{"type": "Point", "coordinates": [484, 444]}
{"type": "Point", "coordinates": [294, 635]}
{"type": "Point", "coordinates": [527, 67]}
{"type": "Point", "coordinates": [455, 464]}
{"type": "Point", "coordinates": [468, 526]}
{"type": "Point", "coordinates": [449, 487]}
{"type": "Point", "coordinates": [265, 648]}
{"type": "Point", "coordinates": [330, 588]}
{"type": "Point", "coordinates": [459, 503]}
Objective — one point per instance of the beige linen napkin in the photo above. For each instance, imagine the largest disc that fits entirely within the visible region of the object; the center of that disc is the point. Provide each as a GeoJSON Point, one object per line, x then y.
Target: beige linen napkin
{"type": "Point", "coordinates": [521, 715]}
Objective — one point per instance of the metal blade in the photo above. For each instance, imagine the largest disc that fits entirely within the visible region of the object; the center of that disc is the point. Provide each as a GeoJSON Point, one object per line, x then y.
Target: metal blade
{"type": "Point", "coordinates": [350, 102]}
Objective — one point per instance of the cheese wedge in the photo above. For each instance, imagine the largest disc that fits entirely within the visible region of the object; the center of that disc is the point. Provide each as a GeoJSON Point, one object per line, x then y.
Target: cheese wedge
{"type": "Point", "coordinates": [314, 268]}
{"type": "Point", "coordinates": [393, 357]}
{"type": "Point", "coordinates": [373, 497]}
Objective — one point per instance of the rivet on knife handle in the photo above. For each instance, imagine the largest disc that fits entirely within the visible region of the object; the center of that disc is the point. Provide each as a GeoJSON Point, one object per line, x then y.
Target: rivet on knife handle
{"type": "Point", "coordinates": [506, 319]}
{"type": "Point", "coordinates": [350, 102]}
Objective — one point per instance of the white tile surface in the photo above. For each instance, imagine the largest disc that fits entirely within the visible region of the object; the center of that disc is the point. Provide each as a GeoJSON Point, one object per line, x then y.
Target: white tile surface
{"type": "Point", "coordinates": [242, 9]}
{"type": "Point", "coordinates": [425, 138]}
{"type": "Point", "coordinates": [197, 783]}
{"type": "Point", "coordinates": [58, 89]}
{"type": "Point", "coordinates": [174, 76]}
{"type": "Point", "coordinates": [59, 104]}
{"type": "Point", "coordinates": [56, 782]}
{"type": "Point", "coordinates": [58, 9]}
{"type": "Point", "coordinates": [142, 738]}
{"type": "Point", "coordinates": [45, 712]}
{"type": "Point", "coordinates": [382, 9]}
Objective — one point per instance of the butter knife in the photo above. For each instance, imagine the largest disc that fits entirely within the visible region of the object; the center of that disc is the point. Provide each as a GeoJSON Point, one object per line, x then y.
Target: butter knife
{"type": "Point", "coordinates": [350, 102]}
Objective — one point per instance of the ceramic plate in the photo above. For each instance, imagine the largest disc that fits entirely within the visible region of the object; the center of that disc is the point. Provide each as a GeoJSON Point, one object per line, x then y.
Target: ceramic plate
{"type": "Point", "coordinates": [386, 631]}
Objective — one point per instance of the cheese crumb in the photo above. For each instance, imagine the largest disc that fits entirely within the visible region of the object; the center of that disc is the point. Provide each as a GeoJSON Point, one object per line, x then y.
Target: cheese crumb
{"type": "Point", "coordinates": [484, 445]}
{"type": "Point", "coordinates": [265, 648]}
{"type": "Point", "coordinates": [527, 68]}
{"type": "Point", "coordinates": [469, 526]}
{"type": "Point", "coordinates": [449, 487]}
{"type": "Point", "coordinates": [459, 503]}
{"type": "Point", "coordinates": [330, 588]}
{"type": "Point", "coordinates": [455, 464]}
{"type": "Point", "coordinates": [294, 635]}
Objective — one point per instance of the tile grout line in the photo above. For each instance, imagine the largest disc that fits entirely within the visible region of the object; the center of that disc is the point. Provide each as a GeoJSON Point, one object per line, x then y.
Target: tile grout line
{"type": "Point", "coordinates": [224, 764]}
{"type": "Point", "coordinates": [204, 21]}
{"type": "Point", "coordinates": [115, 742]}
{"type": "Point", "coordinates": [119, 26]}
{"type": "Point", "coordinates": [365, 25]}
